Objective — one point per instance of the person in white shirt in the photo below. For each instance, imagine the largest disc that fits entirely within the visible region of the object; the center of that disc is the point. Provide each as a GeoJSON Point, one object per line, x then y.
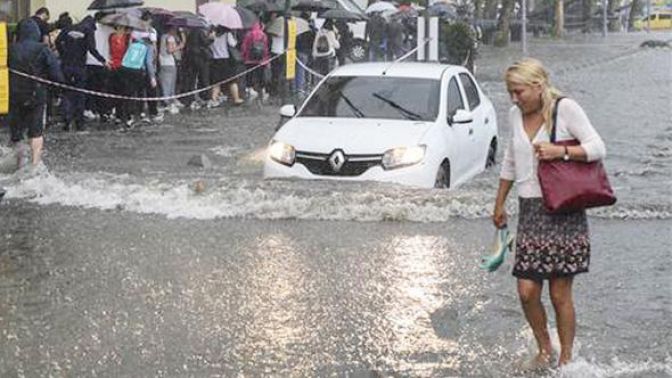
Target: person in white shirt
{"type": "Point", "coordinates": [223, 68]}
{"type": "Point", "coordinates": [168, 66]}
{"type": "Point", "coordinates": [553, 247]}
{"type": "Point", "coordinates": [324, 48]}
{"type": "Point", "coordinates": [98, 75]}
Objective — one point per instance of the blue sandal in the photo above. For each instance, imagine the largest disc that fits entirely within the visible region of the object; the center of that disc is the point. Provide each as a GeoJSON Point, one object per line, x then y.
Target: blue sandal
{"type": "Point", "coordinates": [503, 244]}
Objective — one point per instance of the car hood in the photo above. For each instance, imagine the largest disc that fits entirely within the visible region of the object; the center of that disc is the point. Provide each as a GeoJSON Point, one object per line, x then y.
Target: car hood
{"type": "Point", "coordinates": [352, 135]}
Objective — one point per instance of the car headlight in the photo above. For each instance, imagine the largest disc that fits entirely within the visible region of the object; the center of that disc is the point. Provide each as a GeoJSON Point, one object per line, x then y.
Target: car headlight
{"type": "Point", "coordinates": [403, 156]}
{"type": "Point", "coordinates": [282, 153]}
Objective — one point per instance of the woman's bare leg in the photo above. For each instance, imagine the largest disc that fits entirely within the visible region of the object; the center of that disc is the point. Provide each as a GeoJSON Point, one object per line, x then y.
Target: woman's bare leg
{"type": "Point", "coordinates": [529, 292]}
{"type": "Point", "coordinates": [561, 297]}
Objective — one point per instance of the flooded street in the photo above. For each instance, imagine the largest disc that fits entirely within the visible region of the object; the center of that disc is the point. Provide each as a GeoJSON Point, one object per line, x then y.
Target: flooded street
{"type": "Point", "coordinates": [112, 265]}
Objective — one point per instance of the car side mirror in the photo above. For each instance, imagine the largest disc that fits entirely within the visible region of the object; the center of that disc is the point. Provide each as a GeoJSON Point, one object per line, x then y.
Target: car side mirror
{"type": "Point", "coordinates": [288, 111]}
{"type": "Point", "coordinates": [461, 116]}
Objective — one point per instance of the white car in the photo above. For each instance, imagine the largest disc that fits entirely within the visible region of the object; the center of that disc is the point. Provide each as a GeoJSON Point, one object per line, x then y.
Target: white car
{"type": "Point", "coordinates": [418, 124]}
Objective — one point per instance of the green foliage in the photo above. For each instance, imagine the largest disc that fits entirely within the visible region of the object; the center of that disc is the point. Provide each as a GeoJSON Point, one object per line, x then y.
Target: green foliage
{"type": "Point", "coordinates": [501, 38]}
{"type": "Point", "coordinates": [457, 42]}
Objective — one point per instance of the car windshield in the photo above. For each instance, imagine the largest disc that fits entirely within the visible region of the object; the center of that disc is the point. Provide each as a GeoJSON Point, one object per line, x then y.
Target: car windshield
{"type": "Point", "coordinates": [375, 97]}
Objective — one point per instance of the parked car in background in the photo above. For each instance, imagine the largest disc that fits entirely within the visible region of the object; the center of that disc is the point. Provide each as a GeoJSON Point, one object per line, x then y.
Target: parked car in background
{"type": "Point", "coordinates": [659, 20]}
{"type": "Point", "coordinates": [418, 124]}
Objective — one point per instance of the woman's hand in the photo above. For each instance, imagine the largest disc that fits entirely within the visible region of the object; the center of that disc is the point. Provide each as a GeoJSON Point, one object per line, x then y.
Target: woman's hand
{"type": "Point", "coordinates": [548, 151]}
{"type": "Point", "coordinates": [499, 216]}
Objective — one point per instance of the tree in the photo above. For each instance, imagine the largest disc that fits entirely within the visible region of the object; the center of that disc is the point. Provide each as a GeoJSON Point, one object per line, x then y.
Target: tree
{"type": "Point", "coordinates": [559, 19]}
{"type": "Point", "coordinates": [586, 15]}
{"type": "Point", "coordinates": [504, 24]}
{"type": "Point", "coordinates": [635, 11]}
{"type": "Point", "coordinates": [615, 22]}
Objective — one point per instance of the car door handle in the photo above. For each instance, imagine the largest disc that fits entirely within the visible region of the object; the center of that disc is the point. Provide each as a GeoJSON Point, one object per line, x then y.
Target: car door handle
{"type": "Point", "coordinates": [471, 131]}
{"type": "Point", "coordinates": [487, 120]}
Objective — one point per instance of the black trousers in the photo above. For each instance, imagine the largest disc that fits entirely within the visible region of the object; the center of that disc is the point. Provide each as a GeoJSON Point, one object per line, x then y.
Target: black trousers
{"type": "Point", "coordinates": [196, 75]}
{"type": "Point", "coordinates": [73, 102]}
{"type": "Point", "coordinates": [98, 79]}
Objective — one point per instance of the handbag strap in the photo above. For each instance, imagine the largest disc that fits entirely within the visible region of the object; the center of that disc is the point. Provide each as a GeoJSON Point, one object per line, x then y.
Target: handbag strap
{"type": "Point", "coordinates": [555, 118]}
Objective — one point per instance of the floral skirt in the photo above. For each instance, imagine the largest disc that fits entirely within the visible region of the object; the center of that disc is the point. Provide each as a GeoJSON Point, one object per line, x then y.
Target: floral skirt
{"type": "Point", "coordinates": [550, 245]}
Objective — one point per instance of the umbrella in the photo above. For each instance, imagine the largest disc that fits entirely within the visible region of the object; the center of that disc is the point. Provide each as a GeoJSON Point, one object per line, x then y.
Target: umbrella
{"type": "Point", "coordinates": [314, 6]}
{"type": "Point", "coordinates": [261, 6]}
{"type": "Point", "coordinates": [443, 10]}
{"type": "Point", "coordinates": [222, 15]}
{"type": "Point", "coordinates": [187, 21]}
{"type": "Point", "coordinates": [277, 26]}
{"type": "Point", "coordinates": [247, 17]}
{"type": "Point", "coordinates": [125, 19]}
{"type": "Point", "coordinates": [342, 14]}
{"type": "Point", "coordinates": [109, 4]}
{"type": "Point", "coordinates": [158, 13]}
{"type": "Point", "coordinates": [380, 6]}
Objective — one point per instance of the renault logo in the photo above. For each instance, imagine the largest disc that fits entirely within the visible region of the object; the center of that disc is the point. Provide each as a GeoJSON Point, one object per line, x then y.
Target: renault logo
{"type": "Point", "coordinates": [336, 160]}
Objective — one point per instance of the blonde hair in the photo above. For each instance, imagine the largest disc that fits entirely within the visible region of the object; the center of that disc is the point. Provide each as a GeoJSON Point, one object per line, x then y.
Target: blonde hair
{"type": "Point", "coordinates": [531, 72]}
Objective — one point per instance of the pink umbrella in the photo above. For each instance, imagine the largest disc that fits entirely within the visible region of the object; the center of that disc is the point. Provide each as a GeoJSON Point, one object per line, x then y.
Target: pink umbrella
{"type": "Point", "coordinates": [221, 14]}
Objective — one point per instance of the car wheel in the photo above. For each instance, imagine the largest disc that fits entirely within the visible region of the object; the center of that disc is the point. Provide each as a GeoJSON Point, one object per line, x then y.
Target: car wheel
{"type": "Point", "coordinates": [358, 51]}
{"type": "Point", "coordinates": [443, 176]}
{"type": "Point", "coordinates": [492, 154]}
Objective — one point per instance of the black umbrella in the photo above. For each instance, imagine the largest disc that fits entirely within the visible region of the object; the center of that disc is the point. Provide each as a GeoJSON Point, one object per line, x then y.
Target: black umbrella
{"type": "Point", "coordinates": [314, 6]}
{"type": "Point", "coordinates": [443, 10]}
{"type": "Point", "coordinates": [125, 19]}
{"type": "Point", "coordinates": [188, 21]}
{"type": "Point", "coordinates": [247, 16]}
{"type": "Point", "coordinates": [109, 4]}
{"type": "Point", "coordinates": [342, 14]}
{"type": "Point", "coordinates": [261, 6]}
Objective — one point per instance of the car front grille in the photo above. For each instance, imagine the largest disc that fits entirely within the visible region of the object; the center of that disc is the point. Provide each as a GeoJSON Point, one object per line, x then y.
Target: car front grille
{"type": "Point", "coordinates": [354, 165]}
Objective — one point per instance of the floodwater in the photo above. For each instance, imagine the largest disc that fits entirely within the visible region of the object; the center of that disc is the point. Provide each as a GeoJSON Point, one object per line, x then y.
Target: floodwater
{"type": "Point", "coordinates": [111, 264]}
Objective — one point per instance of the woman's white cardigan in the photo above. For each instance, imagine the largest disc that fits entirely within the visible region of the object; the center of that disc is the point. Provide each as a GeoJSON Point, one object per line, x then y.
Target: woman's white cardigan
{"type": "Point", "coordinates": [520, 163]}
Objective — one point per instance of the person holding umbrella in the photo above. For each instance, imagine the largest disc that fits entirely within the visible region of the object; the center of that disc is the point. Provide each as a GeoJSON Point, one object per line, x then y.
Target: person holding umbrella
{"type": "Point", "coordinates": [168, 47]}
{"type": "Point", "coordinates": [197, 62]}
{"type": "Point", "coordinates": [223, 66]}
{"type": "Point", "coordinates": [324, 48]}
{"type": "Point", "coordinates": [254, 51]}
{"type": "Point", "coordinates": [118, 43]}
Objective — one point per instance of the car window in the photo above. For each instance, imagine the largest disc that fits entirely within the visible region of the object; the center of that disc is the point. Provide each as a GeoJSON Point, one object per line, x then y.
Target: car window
{"type": "Point", "coordinates": [470, 90]}
{"type": "Point", "coordinates": [454, 97]}
{"type": "Point", "coordinates": [665, 16]}
{"type": "Point", "coordinates": [382, 97]}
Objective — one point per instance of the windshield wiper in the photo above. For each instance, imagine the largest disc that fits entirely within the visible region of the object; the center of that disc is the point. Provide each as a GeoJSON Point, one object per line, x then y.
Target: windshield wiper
{"type": "Point", "coordinates": [355, 110]}
{"type": "Point", "coordinates": [405, 112]}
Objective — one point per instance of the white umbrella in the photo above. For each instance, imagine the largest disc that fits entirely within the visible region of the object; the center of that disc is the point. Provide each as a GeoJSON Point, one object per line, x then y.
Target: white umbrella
{"type": "Point", "coordinates": [380, 6]}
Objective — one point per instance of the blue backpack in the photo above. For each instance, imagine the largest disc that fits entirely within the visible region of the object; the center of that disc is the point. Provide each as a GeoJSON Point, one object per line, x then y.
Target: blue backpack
{"type": "Point", "coordinates": [134, 58]}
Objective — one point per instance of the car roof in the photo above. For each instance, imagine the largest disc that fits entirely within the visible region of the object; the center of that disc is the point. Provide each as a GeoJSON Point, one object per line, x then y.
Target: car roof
{"type": "Point", "coordinates": [406, 69]}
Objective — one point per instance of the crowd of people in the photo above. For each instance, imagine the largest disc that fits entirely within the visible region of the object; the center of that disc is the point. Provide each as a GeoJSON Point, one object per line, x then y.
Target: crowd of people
{"type": "Point", "coordinates": [171, 60]}
{"type": "Point", "coordinates": [186, 66]}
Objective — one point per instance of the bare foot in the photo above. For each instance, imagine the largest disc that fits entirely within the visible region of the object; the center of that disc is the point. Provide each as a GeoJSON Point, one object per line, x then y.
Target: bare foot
{"type": "Point", "coordinates": [564, 359]}
{"type": "Point", "coordinates": [539, 362]}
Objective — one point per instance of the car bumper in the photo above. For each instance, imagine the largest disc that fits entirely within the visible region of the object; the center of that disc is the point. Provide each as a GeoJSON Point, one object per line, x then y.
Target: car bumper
{"type": "Point", "coordinates": [418, 175]}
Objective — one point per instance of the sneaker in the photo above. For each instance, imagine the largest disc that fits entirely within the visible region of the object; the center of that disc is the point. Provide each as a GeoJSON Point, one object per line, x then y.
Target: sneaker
{"type": "Point", "coordinates": [179, 104]}
{"type": "Point", "coordinates": [158, 118]}
{"type": "Point", "coordinates": [195, 106]}
{"type": "Point", "coordinates": [129, 124]}
{"type": "Point", "coordinates": [252, 95]}
{"type": "Point", "coordinates": [212, 104]}
{"type": "Point", "coordinates": [174, 109]}
{"type": "Point", "coordinates": [90, 115]}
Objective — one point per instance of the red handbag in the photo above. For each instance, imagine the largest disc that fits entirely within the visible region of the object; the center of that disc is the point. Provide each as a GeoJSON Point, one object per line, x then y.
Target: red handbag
{"type": "Point", "coordinates": [568, 186]}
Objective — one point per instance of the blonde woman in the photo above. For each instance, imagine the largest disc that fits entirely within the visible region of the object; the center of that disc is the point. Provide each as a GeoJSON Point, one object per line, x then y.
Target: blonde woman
{"type": "Point", "coordinates": [552, 247]}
